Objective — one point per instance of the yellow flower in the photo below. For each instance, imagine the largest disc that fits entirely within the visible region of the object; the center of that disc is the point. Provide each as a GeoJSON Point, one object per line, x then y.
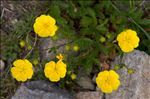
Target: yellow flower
{"type": "Point", "coordinates": [45, 26]}
{"type": "Point", "coordinates": [55, 71]}
{"type": "Point", "coordinates": [60, 57]}
{"type": "Point", "coordinates": [22, 43]}
{"type": "Point", "coordinates": [76, 48]}
{"type": "Point", "coordinates": [108, 81]}
{"type": "Point", "coordinates": [22, 70]}
{"type": "Point", "coordinates": [73, 76]}
{"type": "Point", "coordinates": [128, 40]}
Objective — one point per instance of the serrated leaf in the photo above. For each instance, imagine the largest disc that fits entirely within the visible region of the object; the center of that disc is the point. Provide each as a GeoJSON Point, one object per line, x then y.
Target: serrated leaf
{"type": "Point", "coordinates": [84, 43]}
{"type": "Point", "coordinates": [86, 21]}
{"type": "Point", "coordinates": [85, 2]}
{"type": "Point", "coordinates": [144, 22]}
{"type": "Point", "coordinates": [91, 12]}
{"type": "Point", "coordinates": [55, 11]}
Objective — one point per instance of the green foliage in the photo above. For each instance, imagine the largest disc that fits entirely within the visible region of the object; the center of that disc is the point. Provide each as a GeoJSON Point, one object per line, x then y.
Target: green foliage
{"type": "Point", "coordinates": [87, 22]}
{"type": "Point", "coordinates": [92, 25]}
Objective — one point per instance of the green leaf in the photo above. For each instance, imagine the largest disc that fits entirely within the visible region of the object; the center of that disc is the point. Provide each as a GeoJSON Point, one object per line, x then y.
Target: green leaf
{"type": "Point", "coordinates": [101, 29]}
{"type": "Point", "coordinates": [88, 65]}
{"type": "Point", "coordinates": [62, 22]}
{"type": "Point", "coordinates": [91, 12]}
{"type": "Point", "coordinates": [85, 2]}
{"type": "Point", "coordinates": [86, 21]}
{"type": "Point", "coordinates": [55, 11]}
{"type": "Point", "coordinates": [84, 43]}
{"type": "Point", "coordinates": [81, 12]}
{"type": "Point", "coordinates": [146, 42]}
{"type": "Point", "coordinates": [145, 22]}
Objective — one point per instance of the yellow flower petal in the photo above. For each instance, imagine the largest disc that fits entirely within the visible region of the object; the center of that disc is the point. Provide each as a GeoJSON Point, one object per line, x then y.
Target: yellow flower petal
{"type": "Point", "coordinates": [115, 84]}
{"type": "Point", "coordinates": [29, 73]}
{"type": "Point", "coordinates": [113, 74]}
{"type": "Point", "coordinates": [60, 57]}
{"type": "Point", "coordinates": [61, 69]}
{"type": "Point", "coordinates": [52, 30]}
{"type": "Point", "coordinates": [18, 63]}
{"type": "Point", "coordinates": [28, 63]}
{"type": "Point", "coordinates": [49, 68]}
{"type": "Point", "coordinates": [22, 77]}
{"type": "Point", "coordinates": [60, 63]}
{"type": "Point", "coordinates": [54, 77]}
{"type": "Point", "coordinates": [106, 88]}
{"type": "Point", "coordinates": [14, 72]}
{"type": "Point", "coordinates": [45, 19]}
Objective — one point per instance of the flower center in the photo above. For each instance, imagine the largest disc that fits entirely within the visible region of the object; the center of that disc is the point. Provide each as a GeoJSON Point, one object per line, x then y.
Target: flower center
{"type": "Point", "coordinates": [108, 80]}
{"type": "Point", "coordinates": [45, 25]}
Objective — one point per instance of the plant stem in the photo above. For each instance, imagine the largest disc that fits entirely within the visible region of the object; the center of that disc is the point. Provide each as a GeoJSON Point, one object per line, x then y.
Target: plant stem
{"type": "Point", "coordinates": [32, 47]}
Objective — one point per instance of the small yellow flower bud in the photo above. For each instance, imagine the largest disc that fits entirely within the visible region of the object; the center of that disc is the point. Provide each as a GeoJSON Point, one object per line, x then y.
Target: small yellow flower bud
{"type": "Point", "coordinates": [35, 61]}
{"type": "Point", "coordinates": [67, 47]}
{"type": "Point", "coordinates": [116, 67]}
{"type": "Point", "coordinates": [108, 35]}
{"type": "Point", "coordinates": [68, 72]}
{"type": "Point", "coordinates": [102, 39]}
{"type": "Point", "coordinates": [22, 43]}
{"type": "Point", "coordinates": [55, 37]}
{"type": "Point", "coordinates": [67, 82]}
{"type": "Point", "coordinates": [29, 47]}
{"type": "Point", "coordinates": [73, 76]}
{"type": "Point", "coordinates": [131, 71]}
{"type": "Point", "coordinates": [75, 48]}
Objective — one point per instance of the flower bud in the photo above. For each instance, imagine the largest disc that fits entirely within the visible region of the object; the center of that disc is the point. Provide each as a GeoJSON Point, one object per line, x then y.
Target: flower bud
{"type": "Point", "coordinates": [131, 71]}
{"type": "Point", "coordinates": [73, 76]}
{"type": "Point", "coordinates": [55, 37]}
{"type": "Point", "coordinates": [22, 43]}
{"type": "Point", "coordinates": [35, 61]}
{"type": "Point", "coordinates": [75, 48]}
{"type": "Point", "coordinates": [29, 47]}
{"type": "Point", "coordinates": [68, 72]}
{"type": "Point", "coordinates": [116, 67]}
{"type": "Point", "coordinates": [67, 47]}
{"type": "Point", "coordinates": [108, 35]}
{"type": "Point", "coordinates": [102, 39]}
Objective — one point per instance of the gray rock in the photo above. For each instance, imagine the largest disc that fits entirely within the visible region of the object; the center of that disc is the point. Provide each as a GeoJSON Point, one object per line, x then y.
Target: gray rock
{"type": "Point", "coordinates": [136, 85]}
{"type": "Point", "coordinates": [85, 82]}
{"type": "Point", "coordinates": [40, 90]}
{"type": "Point", "coordinates": [89, 95]}
{"type": "Point", "coordinates": [46, 44]}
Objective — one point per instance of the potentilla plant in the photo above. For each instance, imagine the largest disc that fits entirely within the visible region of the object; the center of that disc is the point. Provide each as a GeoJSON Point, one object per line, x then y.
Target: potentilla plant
{"type": "Point", "coordinates": [91, 35]}
{"type": "Point", "coordinates": [44, 26]}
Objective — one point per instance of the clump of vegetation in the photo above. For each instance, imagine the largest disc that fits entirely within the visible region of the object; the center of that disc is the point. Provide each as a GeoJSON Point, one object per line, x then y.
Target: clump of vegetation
{"type": "Point", "coordinates": [90, 27]}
